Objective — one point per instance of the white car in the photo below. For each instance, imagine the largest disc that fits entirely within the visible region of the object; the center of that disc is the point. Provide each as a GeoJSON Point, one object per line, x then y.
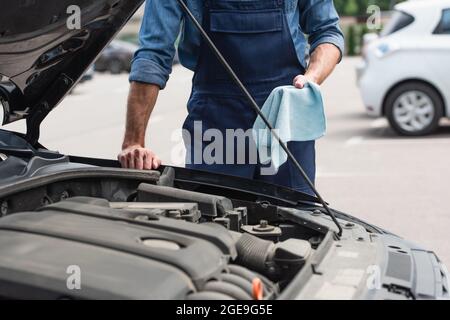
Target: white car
{"type": "Point", "coordinates": [405, 72]}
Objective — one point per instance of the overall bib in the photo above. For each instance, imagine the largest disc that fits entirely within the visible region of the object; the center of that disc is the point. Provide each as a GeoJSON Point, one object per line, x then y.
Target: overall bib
{"type": "Point", "coordinates": [255, 39]}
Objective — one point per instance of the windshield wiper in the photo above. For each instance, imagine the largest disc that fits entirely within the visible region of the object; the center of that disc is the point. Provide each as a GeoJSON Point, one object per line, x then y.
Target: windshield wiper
{"type": "Point", "coordinates": [257, 109]}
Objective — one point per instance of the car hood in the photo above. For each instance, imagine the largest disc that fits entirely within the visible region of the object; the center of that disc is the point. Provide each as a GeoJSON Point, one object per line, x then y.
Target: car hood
{"type": "Point", "coordinates": [44, 51]}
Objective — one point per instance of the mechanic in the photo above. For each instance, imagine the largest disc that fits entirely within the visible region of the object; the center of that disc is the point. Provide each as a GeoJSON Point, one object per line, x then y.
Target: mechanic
{"type": "Point", "coordinates": [265, 42]}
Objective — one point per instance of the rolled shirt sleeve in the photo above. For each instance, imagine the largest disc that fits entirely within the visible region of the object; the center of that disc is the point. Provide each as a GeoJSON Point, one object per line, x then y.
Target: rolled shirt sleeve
{"type": "Point", "coordinates": [152, 62]}
{"type": "Point", "coordinates": [320, 21]}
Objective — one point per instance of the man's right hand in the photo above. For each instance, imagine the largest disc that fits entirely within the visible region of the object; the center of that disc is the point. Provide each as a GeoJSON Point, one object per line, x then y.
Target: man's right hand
{"type": "Point", "coordinates": [138, 157]}
{"type": "Point", "coordinates": [141, 101]}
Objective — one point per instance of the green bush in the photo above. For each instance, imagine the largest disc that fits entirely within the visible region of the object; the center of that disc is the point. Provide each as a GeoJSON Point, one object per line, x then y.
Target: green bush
{"type": "Point", "coordinates": [362, 32]}
{"type": "Point", "coordinates": [351, 43]}
{"type": "Point", "coordinates": [354, 38]}
{"type": "Point", "coordinates": [351, 7]}
{"type": "Point", "coordinates": [359, 7]}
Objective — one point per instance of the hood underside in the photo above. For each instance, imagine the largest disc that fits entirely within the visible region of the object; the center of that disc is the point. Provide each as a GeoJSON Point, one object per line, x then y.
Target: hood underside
{"type": "Point", "coordinates": [45, 47]}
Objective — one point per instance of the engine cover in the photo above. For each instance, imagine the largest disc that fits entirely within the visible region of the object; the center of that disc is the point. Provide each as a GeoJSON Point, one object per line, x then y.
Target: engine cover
{"type": "Point", "coordinates": [115, 253]}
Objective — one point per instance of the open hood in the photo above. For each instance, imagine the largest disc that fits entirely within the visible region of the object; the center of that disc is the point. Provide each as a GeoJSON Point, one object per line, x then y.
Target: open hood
{"type": "Point", "coordinates": [43, 52]}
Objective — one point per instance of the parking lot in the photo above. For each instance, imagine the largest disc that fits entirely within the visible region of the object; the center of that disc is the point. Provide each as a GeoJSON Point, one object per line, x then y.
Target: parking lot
{"type": "Point", "coordinates": [363, 167]}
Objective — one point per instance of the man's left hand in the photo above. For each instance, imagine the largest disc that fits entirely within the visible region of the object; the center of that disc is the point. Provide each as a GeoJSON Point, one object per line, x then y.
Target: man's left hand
{"type": "Point", "coordinates": [301, 80]}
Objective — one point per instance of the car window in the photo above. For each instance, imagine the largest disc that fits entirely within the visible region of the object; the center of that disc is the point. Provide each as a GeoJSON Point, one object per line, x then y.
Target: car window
{"type": "Point", "coordinates": [398, 21]}
{"type": "Point", "coordinates": [444, 25]}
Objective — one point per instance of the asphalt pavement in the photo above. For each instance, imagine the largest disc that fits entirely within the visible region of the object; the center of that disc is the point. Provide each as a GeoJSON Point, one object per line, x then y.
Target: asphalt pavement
{"type": "Point", "coordinates": [400, 184]}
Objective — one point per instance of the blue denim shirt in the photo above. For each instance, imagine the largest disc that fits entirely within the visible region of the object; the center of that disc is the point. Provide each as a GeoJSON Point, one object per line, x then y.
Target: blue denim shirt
{"type": "Point", "coordinates": [164, 21]}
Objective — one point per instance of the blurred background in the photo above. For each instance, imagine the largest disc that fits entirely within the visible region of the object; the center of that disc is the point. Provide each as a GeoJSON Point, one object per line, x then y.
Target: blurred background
{"type": "Point", "coordinates": [385, 158]}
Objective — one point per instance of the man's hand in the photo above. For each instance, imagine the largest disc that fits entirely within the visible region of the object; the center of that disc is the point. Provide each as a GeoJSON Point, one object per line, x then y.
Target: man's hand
{"type": "Point", "coordinates": [323, 60]}
{"type": "Point", "coordinates": [141, 101]}
{"type": "Point", "coordinates": [137, 157]}
{"type": "Point", "coordinates": [301, 80]}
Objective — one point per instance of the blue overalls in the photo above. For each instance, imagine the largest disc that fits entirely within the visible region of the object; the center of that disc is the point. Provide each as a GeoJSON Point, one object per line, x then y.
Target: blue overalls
{"type": "Point", "coordinates": [255, 39]}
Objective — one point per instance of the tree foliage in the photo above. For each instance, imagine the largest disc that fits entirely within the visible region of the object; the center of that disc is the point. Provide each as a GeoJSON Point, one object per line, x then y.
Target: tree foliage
{"type": "Point", "coordinates": [359, 7]}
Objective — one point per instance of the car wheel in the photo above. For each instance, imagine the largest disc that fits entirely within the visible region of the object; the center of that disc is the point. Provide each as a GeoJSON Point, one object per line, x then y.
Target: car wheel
{"type": "Point", "coordinates": [115, 66]}
{"type": "Point", "coordinates": [414, 109]}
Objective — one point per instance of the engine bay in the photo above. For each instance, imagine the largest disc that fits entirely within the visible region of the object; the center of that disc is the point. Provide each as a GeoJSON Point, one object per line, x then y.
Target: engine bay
{"type": "Point", "coordinates": [183, 234]}
{"type": "Point", "coordinates": [128, 230]}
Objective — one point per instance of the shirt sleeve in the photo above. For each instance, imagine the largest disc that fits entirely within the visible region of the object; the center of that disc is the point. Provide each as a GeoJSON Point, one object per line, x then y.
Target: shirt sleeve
{"type": "Point", "coordinates": [320, 21]}
{"type": "Point", "coordinates": [152, 62]}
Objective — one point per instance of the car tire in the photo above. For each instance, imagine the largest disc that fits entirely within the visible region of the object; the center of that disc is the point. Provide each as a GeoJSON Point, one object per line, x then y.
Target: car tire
{"type": "Point", "coordinates": [115, 66]}
{"type": "Point", "coordinates": [414, 109]}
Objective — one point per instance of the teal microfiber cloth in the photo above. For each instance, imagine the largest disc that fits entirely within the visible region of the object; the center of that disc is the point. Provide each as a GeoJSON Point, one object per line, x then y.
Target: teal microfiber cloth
{"type": "Point", "coordinates": [295, 114]}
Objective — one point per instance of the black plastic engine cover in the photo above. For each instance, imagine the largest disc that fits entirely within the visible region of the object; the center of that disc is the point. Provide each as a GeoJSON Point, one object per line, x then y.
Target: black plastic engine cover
{"type": "Point", "coordinates": [111, 250]}
{"type": "Point", "coordinates": [209, 205]}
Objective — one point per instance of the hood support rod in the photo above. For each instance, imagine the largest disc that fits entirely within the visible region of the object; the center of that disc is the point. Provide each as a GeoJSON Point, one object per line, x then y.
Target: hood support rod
{"type": "Point", "coordinates": [257, 109]}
